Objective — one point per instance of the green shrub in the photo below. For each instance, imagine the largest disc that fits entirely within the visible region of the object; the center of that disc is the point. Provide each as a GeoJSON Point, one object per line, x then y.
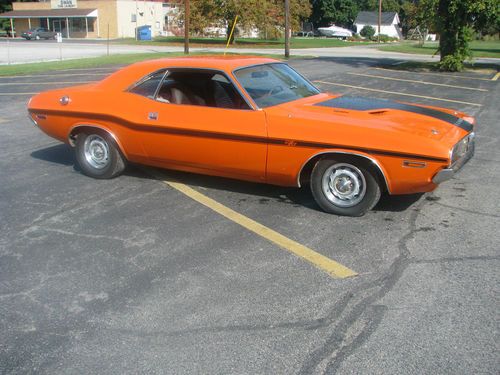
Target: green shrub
{"type": "Point", "coordinates": [385, 38]}
{"type": "Point", "coordinates": [355, 38]}
{"type": "Point", "coordinates": [451, 63]}
{"type": "Point", "coordinates": [367, 31]}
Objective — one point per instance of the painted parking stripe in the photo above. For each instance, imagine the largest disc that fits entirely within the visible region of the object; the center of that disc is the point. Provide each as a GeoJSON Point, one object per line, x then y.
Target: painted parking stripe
{"type": "Point", "coordinates": [322, 262]}
{"type": "Point", "coordinates": [434, 74]}
{"type": "Point", "coordinates": [495, 78]}
{"type": "Point", "coordinates": [419, 82]}
{"type": "Point", "coordinates": [17, 93]}
{"type": "Point", "coordinates": [44, 83]}
{"type": "Point", "coordinates": [86, 69]}
{"type": "Point", "coordinates": [55, 75]}
{"type": "Point", "coordinates": [398, 93]}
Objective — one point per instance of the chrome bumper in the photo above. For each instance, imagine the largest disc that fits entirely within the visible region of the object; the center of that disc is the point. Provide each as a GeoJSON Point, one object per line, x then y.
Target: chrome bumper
{"type": "Point", "coordinates": [447, 173]}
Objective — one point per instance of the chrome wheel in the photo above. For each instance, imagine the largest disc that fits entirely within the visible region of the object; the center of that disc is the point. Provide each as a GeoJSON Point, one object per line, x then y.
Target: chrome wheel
{"type": "Point", "coordinates": [96, 151]}
{"type": "Point", "coordinates": [344, 185]}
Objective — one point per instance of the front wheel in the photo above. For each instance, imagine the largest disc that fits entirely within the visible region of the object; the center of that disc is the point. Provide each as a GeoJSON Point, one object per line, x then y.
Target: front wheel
{"type": "Point", "coordinates": [344, 188]}
{"type": "Point", "coordinates": [98, 156]}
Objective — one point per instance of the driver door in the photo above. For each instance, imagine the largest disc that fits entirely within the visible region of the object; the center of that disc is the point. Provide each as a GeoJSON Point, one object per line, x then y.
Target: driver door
{"type": "Point", "coordinates": [189, 130]}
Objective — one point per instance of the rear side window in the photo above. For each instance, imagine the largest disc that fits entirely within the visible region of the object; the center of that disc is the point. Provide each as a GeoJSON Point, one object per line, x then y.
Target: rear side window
{"type": "Point", "coordinates": [147, 86]}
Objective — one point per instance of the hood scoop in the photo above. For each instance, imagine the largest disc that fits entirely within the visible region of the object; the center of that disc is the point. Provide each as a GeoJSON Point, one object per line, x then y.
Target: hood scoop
{"type": "Point", "coordinates": [380, 106]}
{"type": "Point", "coordinates": [378, 112]}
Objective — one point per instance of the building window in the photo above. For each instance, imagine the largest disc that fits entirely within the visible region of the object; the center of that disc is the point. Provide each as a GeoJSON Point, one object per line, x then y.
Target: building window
{"type": "Point", "coordinates": [78, 25]}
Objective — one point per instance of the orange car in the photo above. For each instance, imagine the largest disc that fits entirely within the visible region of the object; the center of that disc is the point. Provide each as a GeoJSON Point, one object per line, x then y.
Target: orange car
{"type": "Point", "coordinates": [256, 119]}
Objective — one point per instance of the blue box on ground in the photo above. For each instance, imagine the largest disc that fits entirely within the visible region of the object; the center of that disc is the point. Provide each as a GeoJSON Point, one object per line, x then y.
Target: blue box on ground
{"type": "Point", "coordinates": [144, 32]}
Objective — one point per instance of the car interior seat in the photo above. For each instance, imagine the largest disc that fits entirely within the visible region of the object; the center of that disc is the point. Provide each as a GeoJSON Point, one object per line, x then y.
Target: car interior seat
{"type": "Point", "coordinates": [177, 93]}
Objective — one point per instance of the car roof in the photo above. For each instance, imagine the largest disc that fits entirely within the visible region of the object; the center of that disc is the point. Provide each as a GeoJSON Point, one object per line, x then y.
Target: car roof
{"type": "Point", "coordinates": [132, 73]}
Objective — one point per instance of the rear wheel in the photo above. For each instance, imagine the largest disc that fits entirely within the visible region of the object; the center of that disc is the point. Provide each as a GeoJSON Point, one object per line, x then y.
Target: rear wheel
{"type": "Point", "coordinates": [344, 187]}
{"type": "Point", "coordinates": [98, 155]}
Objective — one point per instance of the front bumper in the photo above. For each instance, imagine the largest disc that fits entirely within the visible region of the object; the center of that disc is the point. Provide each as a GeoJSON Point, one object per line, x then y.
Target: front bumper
{"type": "Point", "coordinates": [448, 173]}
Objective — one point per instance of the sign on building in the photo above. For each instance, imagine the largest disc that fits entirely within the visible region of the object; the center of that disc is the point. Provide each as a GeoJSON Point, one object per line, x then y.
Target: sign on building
{"type": "Point", "coordinates": [58, 4]}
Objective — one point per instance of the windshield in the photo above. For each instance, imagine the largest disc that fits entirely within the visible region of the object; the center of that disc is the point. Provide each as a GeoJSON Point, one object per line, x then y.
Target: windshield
{"type": "Point", "coordinates": [273, 84]}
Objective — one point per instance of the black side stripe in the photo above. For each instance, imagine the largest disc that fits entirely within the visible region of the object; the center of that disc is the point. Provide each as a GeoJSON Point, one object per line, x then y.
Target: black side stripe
{"type": "Point", "coordinates": [232, 137]}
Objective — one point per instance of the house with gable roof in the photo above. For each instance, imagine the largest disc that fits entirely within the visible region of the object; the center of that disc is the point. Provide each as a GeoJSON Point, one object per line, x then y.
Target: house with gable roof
{"type": "Point", "coordinates": [389, 23]}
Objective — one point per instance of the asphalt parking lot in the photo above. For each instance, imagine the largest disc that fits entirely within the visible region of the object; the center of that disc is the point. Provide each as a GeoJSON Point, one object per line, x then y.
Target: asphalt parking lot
{"type": "Point", "coordinates": [131, 275]}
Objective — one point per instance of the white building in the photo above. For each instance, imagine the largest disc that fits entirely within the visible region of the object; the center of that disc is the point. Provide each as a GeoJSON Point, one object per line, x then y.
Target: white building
{"type": "Point", "coordinates": [389, 23]}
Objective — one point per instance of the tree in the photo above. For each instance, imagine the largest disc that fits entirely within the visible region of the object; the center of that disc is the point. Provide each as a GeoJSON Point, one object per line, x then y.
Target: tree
{"type": "Point", "coordinates": [5, 6]}
{"type": "Point", "coordinates": [421, 14]}
{"type": "Point", "coordinates": [387, 5]}
{"type": "Point", "coordinates": [454, 21]}
{"type": "Point", "coordinates": [338, 12]}
{"type": "Point", "coordinates": [267, 16]}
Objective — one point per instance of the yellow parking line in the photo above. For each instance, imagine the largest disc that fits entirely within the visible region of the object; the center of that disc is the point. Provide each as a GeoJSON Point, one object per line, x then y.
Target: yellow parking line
{"type": "Point", "coordinates": [495, 78]}
{"type": "Point", "coordinates": [414, 81]}
{"type": "Point", "coordinates": [398, 93]}
{"type": "Point", "coordinates": [17, 93]}
{"type": "Point", "coordinates": [328, 265]}
{"type": "Point", "coordinates": [434, 74]}
{"type": "Point", "coordinates": [43, 83]}
{"type": "Point", "coordinates": [80, 69]}
{"type": "Point", "coordinates": [55, 75]}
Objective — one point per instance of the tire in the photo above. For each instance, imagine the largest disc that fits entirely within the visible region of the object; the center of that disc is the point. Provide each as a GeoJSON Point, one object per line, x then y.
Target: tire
{"type": "Point", "coordinates": [98, 156]}
{"type": "Point", "coordinates": [344, 187]}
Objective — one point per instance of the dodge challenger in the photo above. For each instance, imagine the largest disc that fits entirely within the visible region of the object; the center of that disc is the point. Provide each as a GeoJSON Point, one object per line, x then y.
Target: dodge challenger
{"type": "Point", "coordinates": [256, 119]}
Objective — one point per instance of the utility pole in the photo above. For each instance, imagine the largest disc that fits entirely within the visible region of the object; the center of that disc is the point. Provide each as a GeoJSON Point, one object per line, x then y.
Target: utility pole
{"type": "Point", "coordinates": [136, 21]}
{"type": "Point", "coordinates": [186, 27]}
{"type": "Point", "coordinates": [379, 18]}
{"type": "Point", "coordinates": [287, 28]}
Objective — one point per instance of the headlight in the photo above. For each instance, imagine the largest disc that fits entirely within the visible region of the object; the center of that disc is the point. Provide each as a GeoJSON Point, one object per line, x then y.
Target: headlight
{"type": "Point", "coordinates": [461, 148]}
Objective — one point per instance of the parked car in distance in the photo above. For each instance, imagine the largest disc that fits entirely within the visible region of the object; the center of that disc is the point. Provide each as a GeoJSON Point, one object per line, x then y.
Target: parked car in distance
{"type": "Point", "coordinates": [256, 119]}
{"type": "Point", "coordinates": [38, 33]}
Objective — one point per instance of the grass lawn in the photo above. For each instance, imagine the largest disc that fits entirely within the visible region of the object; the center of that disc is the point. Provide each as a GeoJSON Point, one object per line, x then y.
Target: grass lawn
{"type": "Point", "coordinates": [479, 48]}
{"type": "Point", "coordinates": [244, 42]}
{"type": "Point", "coordinates": [122, 59]}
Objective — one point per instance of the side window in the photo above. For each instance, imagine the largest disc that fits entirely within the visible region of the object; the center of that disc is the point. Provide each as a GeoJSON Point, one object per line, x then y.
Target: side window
{"type": "Point", "coordinates": [225, 95]}
{"type": "Point", "coordinates": [201, 88]}
{"type": "Point", "coordinates": [147, 87]}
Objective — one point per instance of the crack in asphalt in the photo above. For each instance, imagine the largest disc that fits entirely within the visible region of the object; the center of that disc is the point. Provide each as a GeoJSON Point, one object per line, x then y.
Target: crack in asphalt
{"type": "Point", "coordinates": [458, 259]}
{"type": "Point", "coordinates": [338, 346]}
{"type": "Point", "coordinates": [467, 210]}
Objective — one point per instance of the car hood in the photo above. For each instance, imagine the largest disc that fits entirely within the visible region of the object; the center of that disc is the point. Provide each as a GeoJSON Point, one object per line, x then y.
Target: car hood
{"type": "Point", "coordinates": [426, 121]}
{"type": "Point", "coordinates": [376, 123]}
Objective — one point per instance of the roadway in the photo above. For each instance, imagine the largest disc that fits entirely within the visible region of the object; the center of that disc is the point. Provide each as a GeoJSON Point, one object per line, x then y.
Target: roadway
{"type": "Point", "coordinates": [133, 275]}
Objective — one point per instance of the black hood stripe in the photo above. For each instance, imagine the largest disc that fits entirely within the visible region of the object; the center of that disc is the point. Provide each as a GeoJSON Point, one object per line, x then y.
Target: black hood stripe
{"type": "Point", "coordinates": [360, 103]}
